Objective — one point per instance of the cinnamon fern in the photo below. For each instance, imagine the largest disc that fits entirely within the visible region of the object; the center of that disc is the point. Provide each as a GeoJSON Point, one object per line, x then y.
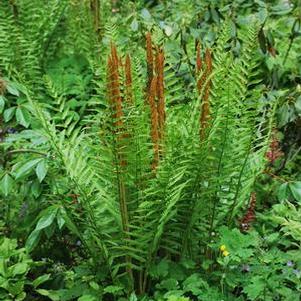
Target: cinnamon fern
{"type": "Point", "coordinates": [146, 183]}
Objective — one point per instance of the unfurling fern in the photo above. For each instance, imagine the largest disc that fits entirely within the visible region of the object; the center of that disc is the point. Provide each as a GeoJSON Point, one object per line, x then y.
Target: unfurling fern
{"type": "Point", "coordinates": [147, 182]}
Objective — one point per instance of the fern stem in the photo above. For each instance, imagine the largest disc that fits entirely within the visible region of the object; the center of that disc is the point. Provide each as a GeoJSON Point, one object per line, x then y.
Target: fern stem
{"type": "Point", "coordinates": [154, 122]}
{"type": "Point", "coordinates": [120, 162]}
{"type": "Point", "coordinates": [24, 151]}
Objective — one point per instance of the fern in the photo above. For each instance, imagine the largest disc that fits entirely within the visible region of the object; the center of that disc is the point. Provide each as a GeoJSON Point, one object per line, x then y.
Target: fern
{"type": "Point", "coordinates": [131, 212]}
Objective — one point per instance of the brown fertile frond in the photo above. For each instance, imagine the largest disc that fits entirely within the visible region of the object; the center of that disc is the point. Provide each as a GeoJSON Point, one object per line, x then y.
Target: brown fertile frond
{"type": "Point", "coordinates": [208, 62]}
{"type": "Point", "coordinates": [114, 55]}
{"type": "Point", "coordinates": [114, 87]}
{"type": "Point", "coordinates": [205, 115]}
{"type": "Point", "coordinates": [128, 80]}
{"type": "Point", "coordinates": [149, 59]}
{"type": "Point", "coordinates": [154, 121]}
{"type": "Point", "coordinates": [160, 91]}
{"type": "Point", "coordinates": [114, 95]}
{"type": "Point", "coordinates": [155, 96]}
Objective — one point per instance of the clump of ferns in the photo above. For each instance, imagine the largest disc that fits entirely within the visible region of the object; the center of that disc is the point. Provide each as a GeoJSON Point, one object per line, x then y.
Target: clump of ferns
{"type": "Point", "coordinates": [161, 184]}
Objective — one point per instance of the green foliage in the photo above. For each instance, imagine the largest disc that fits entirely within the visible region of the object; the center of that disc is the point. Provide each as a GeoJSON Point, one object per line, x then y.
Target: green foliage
{"type": "Point", "coordinates": [110, 228]}
{"type": "Point", "coordinates": [157, 210]}
{"type": "Point", "coordinates": [15, 265]}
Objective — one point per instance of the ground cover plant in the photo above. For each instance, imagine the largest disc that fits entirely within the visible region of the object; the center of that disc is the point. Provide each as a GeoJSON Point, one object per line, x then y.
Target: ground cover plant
{"type": "Point", "coordinates": [150, 150]}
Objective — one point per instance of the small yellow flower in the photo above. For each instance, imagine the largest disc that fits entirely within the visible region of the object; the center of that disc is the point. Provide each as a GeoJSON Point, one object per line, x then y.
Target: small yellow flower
{"type": "Point", "coordinates": [223, 248]}
{"type": "Point", "coordinates": [226, 253]}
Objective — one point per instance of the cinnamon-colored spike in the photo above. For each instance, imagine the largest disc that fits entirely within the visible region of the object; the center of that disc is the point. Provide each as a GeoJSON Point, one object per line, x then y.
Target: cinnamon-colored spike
{"type": "Point", "coordinates": [208, 61]}
{"type": "Point", "coordinates": [154, 122]}
{"type": "Point", "coordinates": [115, 99]}
{"type": "Point", "coordinates": [114, 55]}
{"type": "Point", "coordinates": [114, 87]}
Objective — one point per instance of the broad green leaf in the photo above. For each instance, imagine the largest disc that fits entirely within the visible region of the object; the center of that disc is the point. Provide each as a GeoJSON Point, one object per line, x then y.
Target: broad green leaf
{"type": "Point", "coordinates": [295, 188]}
{"type": "Point", "coordinates": [282, 192]}
{"type": "Point", "coordinates": [113, 289]}
{"type": "Point", "coordinates": [32, 240]}
{"type": "Point", "coordinates": [94, 285]}
{"type": "Point", "coordinates": [2, 103]}
{"type": "Point", "coordinates": [19, 269]}
{"type": "Point", "coordinates": [26, 168]}
{"type": "Point", "coordinates": [12, 89]}
{"type": "Point", "coordinates": [8, 114]}
{"type": "Point", "coordinates": [50, 230]}
{"type": "Point", "coordinates": [23, 116]}
{"type": "Point", "coordinates": [36, 188]}
{"type": "Point", "coordinates": [298, 105]}
{"type": "Point", "coordinates": [47, 219]}
{"type": "Point", "coordinates": [7, 184]}
{"type": "Point", "coordinates": [52, 295]}
{"type": "Point", "coordinates": [60, 220]}
{"type": "Point", "coordinates": [41, 170]}
{"type": "Point", "coordinates": [38, 281]}
{"type": "Point", "coordinates": [21, 296]}
{"type": "Point", "coordinates": [69, 224]}
{"type": "Point", "coordinates": [87, 298]}
{"type": "Point", "coordinates": [214, 15]}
